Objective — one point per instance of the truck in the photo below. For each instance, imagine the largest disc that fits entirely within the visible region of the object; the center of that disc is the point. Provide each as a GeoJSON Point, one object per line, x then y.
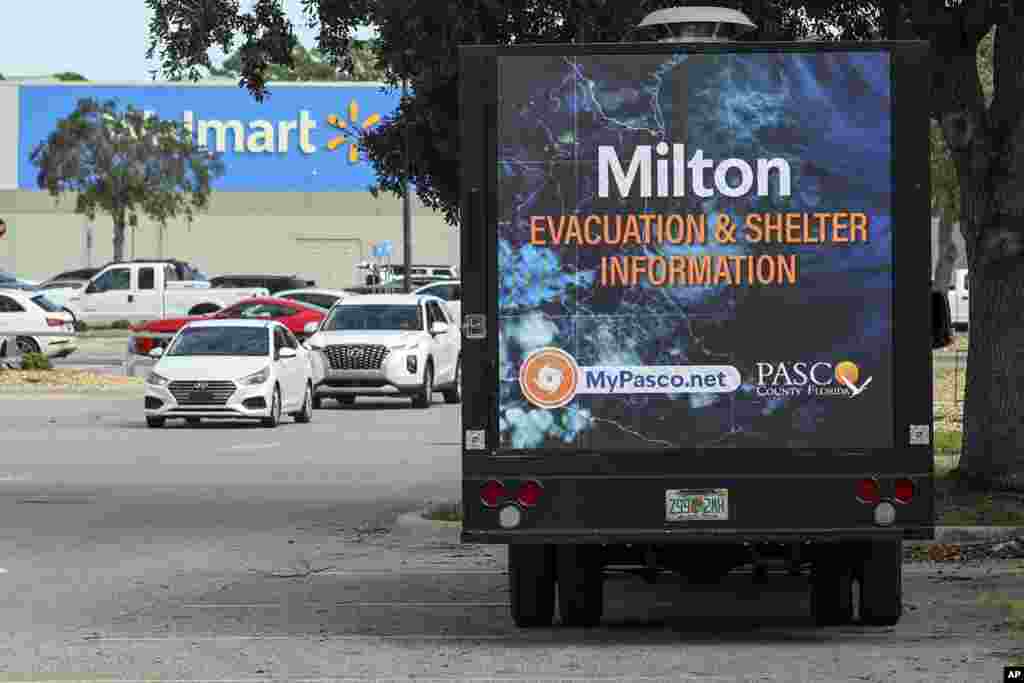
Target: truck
{"type": "Point", "coordinates": [682, 266]}
{"type": "Point", "coordinates": [147, 290]}
{"type": "Point", "coordinates": [960, 299]}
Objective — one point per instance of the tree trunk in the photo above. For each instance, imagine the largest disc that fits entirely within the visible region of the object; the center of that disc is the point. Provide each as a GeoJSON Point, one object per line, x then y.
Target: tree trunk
{"type": "Point", "coordinates": [993, 441]}
{"type": "Point", "coordinates": [119, 224]}
{"type": "Point", "coordinates": [943, 276]}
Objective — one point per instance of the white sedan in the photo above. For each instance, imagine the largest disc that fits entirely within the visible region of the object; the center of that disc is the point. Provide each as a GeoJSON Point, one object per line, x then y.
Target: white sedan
{"type": "Point", "coordinates": [230, 369]}
{"type": "Point", "coordinates": [28, 311]}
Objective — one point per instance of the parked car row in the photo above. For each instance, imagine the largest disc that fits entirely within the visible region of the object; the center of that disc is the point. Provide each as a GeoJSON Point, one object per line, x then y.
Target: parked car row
{"type": "Point", "coordinates": [256, 362]}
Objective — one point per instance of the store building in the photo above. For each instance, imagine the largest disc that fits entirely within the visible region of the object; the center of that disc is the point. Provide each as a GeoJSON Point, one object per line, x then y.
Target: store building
{"type": "Point", "coordinates": [294, 197]}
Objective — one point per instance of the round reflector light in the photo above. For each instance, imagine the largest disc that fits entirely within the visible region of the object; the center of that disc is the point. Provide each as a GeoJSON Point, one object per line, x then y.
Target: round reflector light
{"type": "Point", "coordinates": [904, 491]}
{"type": "Point", "coordinates": [885, 514]}
{"type": "Point", "coordinates": [868, 491]}
{"type": "Point", "coordinates": [509, 516]}
{"type": "Point", "coordinates": [491, 493]}
{"type": "Point", "coordinates": [529, 493]}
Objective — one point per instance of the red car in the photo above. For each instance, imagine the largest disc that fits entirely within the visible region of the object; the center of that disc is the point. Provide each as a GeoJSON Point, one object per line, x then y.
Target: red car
{"type": "Point", "coordinates": [295, 316]}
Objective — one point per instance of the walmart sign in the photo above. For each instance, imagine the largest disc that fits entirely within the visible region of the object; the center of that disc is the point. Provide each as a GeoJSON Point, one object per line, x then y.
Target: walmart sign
{"type": "Point", "coordinates": [299, 139]}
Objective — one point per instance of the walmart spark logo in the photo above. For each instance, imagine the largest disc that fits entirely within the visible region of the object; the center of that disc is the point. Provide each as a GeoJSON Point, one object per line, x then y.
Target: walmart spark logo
{"type": "Point", "coordinates": [350, 129]}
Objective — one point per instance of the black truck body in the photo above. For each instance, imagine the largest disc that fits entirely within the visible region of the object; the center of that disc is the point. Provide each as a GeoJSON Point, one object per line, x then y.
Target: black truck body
{"type": "Point", "coordinates": [683, 265]}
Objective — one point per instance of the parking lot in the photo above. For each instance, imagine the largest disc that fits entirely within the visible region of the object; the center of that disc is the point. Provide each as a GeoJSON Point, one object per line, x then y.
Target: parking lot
{"type": "Point", "coordinates": [229, 551]}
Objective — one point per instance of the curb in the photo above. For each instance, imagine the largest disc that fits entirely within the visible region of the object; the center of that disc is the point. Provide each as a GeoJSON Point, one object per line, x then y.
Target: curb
{"type": "Point", "coordinates": [974, 534]}
{"type": "Point", "coordinates": [413, 524]}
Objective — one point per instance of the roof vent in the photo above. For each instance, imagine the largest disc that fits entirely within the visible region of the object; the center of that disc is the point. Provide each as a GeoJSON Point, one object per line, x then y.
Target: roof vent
{"type": "Point", "coordinates": [694, 24]}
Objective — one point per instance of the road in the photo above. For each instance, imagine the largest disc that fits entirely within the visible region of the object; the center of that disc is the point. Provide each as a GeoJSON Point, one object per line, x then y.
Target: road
{"type": "Point", "coordinates": [230, 552]}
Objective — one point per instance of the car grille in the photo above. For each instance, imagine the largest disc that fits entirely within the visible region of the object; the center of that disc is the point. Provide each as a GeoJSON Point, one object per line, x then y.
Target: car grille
{"type": "Point", "coordinates": [356, 356]}
{"type": "Point", "coordinates": [216, 393]}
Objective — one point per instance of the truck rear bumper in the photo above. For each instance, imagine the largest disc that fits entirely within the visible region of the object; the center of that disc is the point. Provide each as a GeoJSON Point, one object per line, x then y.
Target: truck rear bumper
{"type": "Point", "coordinates": [672, 536]}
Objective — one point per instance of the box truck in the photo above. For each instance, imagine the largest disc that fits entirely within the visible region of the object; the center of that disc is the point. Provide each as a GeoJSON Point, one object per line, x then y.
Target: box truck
{"type": "Point", "coordinates": [683, 268]}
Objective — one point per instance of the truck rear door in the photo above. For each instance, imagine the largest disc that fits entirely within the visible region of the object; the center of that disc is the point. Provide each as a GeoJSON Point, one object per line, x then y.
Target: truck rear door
{"type": "Point", "coordinates": [684, 266]}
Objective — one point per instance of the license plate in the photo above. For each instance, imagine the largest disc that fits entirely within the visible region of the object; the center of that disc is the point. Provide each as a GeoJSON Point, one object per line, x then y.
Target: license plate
{"type": "Point", "coordinates": [683, 505]}
{"type": "Point", "coordinates": [201, 397]}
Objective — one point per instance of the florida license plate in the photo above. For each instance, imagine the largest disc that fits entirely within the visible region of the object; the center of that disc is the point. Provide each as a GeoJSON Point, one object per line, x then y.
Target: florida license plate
{"type": "Point", "coordinates": [684, 505]}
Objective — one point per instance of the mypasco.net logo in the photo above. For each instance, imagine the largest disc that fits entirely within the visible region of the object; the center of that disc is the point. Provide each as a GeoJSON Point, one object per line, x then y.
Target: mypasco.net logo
{"type": "Point", "coordinates": [551, 378]}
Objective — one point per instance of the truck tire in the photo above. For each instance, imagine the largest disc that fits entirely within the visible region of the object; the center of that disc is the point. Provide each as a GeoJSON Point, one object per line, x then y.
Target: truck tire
{"type": "Point", "coordinates": [880, 572]}
{"type": "Point", "coordinates": [832, 589]}
{"type": "Point", "coordinates": [531, 576]}
{"type": "Point", "coordinates": [580, 578]}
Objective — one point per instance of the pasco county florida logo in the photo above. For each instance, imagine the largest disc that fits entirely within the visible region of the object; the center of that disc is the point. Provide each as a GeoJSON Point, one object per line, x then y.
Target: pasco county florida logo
{"type": "Point", "coordinates": [824, 379]}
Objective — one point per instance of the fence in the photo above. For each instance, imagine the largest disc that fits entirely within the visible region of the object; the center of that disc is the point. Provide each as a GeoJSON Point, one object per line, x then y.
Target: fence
{"type": "Point", "coordinates": [8, 338]}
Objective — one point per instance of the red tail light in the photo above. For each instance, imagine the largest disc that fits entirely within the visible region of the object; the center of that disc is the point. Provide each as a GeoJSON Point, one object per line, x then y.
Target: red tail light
{"type": "Point", "coordinates": [868, 491]}
{"type": "Point", "coordinates": [492, 492]}
{"type": "Point", "coordinates": [55, 322]}
{"type": "Point", "coordinates": [904, 491]}
{"type": "Point", "coordinates": [529, 493]}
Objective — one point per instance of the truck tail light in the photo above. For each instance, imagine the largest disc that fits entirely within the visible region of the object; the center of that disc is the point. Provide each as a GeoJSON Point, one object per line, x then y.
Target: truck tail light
{"type": "Point", "coordinates": [529, 493]}
{"type": "Point", "coordinates": [868, 491]}
{"type": "Point", "coordinates": [904, 491]}
{"type": "Point", "coordinates": [492, 492]}
{"type": "Point", "coordinates": [54, 322]}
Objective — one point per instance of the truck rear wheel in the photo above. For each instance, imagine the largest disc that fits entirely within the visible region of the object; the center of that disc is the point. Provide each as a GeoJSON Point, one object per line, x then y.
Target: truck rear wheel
{"type": "Point", "coordinates": [531, 575]}
{"type": "Point", "coordinates": [880, 572]}
{"type": "Point", "coordinates": [832, 589]}
{"type": "Point", "coordinates": [580, 573]}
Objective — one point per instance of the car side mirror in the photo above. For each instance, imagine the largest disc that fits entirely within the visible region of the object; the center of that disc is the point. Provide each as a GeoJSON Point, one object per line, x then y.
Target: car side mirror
{"type": "Point", "coordinates": [157, 352]}
{"type": "Point", "coordinates": [311, 328]}
{"type": "Point", "coordinates": [438, 328]}
{"type": "Point", "coordinates": [287, 352]}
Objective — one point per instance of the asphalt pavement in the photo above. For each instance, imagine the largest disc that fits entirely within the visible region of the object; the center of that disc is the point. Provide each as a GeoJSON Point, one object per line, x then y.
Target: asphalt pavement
{"type": "Point", "coordinates": [235, 552]}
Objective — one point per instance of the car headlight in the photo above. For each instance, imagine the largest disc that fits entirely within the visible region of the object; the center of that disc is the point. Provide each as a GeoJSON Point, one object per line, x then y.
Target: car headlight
{"type": "Point", "coordinates": [412, 346]}
{"type": "Point", "coordinates": [156, 380]}
{"type": "Point", "coordinates": [257, 377]}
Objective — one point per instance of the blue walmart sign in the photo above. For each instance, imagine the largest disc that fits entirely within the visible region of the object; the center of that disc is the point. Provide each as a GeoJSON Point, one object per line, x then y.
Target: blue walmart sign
{"type": "Point", "coordinates": [299, 139]}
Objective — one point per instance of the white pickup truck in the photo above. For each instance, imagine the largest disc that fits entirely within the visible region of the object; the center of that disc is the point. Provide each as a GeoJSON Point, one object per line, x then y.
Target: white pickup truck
{"type": "Point", "coordinates": [960, 300]}
{"type": "Point", "coordinates": [147, 290]}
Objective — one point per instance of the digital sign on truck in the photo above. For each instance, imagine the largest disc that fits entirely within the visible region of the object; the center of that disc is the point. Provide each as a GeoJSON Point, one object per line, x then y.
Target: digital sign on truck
{"type": "Point", "coordinates": [695, 251]}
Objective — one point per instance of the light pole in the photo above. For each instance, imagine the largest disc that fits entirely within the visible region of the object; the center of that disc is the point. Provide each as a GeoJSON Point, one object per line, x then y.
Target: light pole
{"type": "Point", "coordinates": [406, 202]}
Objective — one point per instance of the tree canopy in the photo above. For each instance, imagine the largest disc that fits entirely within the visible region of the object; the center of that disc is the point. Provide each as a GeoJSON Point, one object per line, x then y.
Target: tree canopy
{"type": "Point", "coordinates": [125, 164]}
{"type": "Point", "coordinates": [69, 76]}
{"type": "Point", "coordinates": [312, 65]}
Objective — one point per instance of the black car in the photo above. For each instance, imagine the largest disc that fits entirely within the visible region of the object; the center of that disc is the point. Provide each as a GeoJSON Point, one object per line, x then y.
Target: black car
{"type": "Point", "coordinates": [272, 283]}
{"type": "Point", "coordinates": [80, 274]}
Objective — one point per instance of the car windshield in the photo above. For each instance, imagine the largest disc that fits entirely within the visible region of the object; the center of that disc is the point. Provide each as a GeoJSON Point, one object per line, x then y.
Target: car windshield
{"type": "Point", "coordinates": [221, 341]}
{"type": "Point", "coordinates": [379, 317]}
{"type": "Point", "coordinates": [42, 302]}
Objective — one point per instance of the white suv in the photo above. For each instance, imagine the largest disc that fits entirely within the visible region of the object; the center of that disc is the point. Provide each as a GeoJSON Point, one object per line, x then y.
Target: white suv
{"type": "Point", "coordinates": [389, 345]}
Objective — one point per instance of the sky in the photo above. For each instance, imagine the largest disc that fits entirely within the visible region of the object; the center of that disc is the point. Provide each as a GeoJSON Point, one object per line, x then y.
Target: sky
{"type": "Point", "coordinates": [107, 45]}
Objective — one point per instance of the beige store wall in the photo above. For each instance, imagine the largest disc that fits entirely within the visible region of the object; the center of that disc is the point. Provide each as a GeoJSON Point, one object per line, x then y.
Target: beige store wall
{"type": "Point", "coordinates": [318, 235]}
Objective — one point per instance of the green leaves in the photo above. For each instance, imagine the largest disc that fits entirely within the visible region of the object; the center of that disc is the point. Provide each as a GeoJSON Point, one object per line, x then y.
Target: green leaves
{"type": "Point", "coordinates": [124, 164]}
